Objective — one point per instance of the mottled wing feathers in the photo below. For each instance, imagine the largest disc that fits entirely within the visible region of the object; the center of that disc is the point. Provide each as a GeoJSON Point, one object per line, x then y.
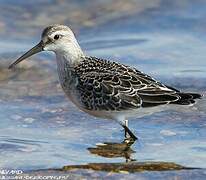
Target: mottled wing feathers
{"type": "Point", "coordinates": [100, 91]}
{"type": "Point", "coordinates": [106, 85]}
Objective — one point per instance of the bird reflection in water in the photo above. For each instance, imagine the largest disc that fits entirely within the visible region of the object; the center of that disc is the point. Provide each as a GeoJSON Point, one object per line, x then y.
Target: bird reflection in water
{"type": "Point", "coordinates": [114, 150]}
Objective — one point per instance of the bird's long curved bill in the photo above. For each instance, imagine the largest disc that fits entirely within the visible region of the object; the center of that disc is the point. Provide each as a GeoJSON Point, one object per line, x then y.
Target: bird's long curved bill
{"type": "Point", "coordinates": [34, 50]}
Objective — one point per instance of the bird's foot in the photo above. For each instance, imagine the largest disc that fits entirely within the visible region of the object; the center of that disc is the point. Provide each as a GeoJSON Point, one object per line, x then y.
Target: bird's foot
{"type": "Point", "coordinates": [129, 141]}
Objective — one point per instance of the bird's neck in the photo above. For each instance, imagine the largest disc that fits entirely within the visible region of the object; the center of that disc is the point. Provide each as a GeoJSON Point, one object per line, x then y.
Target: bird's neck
{"type": "Point", "coordinates": [65, 67]}
{"type": "Point", "coordinates": [70, 55]}
{"type": "Point", "coordinates": [68, 60]}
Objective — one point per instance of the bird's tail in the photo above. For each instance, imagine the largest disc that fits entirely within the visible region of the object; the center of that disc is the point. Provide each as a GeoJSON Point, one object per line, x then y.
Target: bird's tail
{"type": "Point", "coordinates": [187, 98]}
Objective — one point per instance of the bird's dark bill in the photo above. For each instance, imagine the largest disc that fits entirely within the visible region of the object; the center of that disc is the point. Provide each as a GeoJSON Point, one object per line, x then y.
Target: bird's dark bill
{"type": "Point", "coordinates": [34, 50]}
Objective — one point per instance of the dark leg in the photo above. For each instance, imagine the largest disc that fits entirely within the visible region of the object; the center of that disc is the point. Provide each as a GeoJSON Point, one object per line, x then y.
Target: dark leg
{"type": "Point", "coordinates": [130, 138]}
{"type": "Point", "coordinates": [127, 131]}
{"type": "Point", "coordinates": [126, 135]}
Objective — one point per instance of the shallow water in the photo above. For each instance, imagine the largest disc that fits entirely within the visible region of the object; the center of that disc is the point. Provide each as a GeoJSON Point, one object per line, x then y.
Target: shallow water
{"type": "Point", "coordinates": [41, 129]}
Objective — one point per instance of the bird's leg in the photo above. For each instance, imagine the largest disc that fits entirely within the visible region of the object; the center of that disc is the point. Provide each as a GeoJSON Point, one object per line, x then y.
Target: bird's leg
{"type": "Point", "coordinates": [126, 135]}
{"type": "Point", "coordinates": [129, 136]}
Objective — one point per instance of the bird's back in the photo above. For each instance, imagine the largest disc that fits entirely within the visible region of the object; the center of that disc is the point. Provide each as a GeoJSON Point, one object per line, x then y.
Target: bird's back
{"type": "Point", "coordinates": [111, 86]}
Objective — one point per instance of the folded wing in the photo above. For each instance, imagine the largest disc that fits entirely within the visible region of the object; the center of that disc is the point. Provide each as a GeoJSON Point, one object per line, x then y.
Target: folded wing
{"type": "Point", "coordinates": [106, 85]}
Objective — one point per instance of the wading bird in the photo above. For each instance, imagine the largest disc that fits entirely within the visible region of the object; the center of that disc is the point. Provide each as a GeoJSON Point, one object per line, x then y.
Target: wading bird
{"type": "Point", "coordinates": [104, 88]}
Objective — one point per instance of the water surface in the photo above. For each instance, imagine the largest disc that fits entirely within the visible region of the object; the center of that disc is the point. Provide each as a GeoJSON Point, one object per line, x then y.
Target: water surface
{"type": "Point", "coordinates": [41, 129]}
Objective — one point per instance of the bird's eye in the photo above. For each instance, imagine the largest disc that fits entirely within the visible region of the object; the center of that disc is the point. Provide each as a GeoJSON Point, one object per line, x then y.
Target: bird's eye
{"type": "Point", "coordinates": [56, 36]}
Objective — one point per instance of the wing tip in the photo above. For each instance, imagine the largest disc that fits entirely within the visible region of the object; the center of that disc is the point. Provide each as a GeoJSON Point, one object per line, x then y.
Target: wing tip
{"type": "Point", "coordinates": [187, 98]}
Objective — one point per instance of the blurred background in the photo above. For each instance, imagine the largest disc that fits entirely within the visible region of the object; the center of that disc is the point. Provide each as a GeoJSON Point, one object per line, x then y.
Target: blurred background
{"type": "Point", "coordinates": [40, 128]}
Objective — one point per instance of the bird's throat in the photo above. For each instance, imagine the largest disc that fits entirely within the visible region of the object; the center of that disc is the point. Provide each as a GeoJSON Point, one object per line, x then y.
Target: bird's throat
{"type": "Point", "coordinates": [68, 60]}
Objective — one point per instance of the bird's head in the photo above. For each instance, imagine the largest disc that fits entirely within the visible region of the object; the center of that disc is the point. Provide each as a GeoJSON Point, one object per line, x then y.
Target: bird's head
{"type": "Point", "coordinates": [57, 38]}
